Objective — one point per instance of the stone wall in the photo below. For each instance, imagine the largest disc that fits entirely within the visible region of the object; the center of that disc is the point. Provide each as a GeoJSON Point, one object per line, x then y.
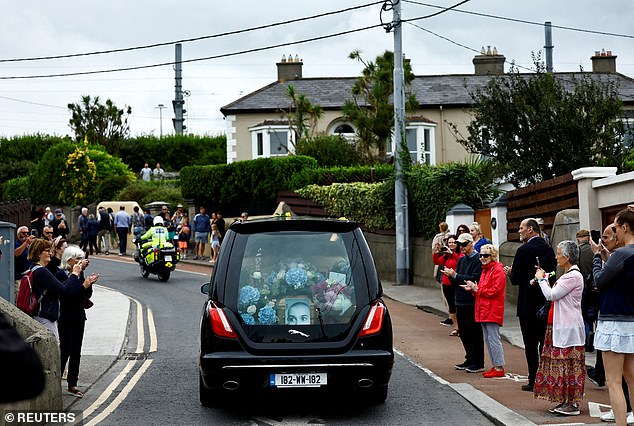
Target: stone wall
{"type": "Point", "coordinates": [46, 346]}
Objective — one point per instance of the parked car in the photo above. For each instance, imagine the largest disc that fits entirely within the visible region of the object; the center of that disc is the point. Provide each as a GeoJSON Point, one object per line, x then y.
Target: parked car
{"type": "Point", "coordinates": [294, 303]}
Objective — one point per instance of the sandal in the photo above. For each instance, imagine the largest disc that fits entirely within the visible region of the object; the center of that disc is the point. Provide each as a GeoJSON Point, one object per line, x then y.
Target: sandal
{"type": "Point", "coordinates": [74, 391]}
{"type": "Point", "coordinates": [455, 333]}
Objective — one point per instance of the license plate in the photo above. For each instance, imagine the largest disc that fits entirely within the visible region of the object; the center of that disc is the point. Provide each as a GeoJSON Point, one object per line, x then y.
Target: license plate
{"type": "Point", "coordinates": [298, 380]}
{"type": "Point", "coordinates": [168, 258]}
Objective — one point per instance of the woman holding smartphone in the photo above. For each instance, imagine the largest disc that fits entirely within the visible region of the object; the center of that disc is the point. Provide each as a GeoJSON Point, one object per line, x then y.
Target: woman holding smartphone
{"type": "Point", "coordinates": [72, 317]}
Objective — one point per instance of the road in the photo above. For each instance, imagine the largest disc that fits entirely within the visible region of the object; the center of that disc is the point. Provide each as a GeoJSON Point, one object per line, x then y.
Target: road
{"type": "Point", "coordinates": [156, 379]}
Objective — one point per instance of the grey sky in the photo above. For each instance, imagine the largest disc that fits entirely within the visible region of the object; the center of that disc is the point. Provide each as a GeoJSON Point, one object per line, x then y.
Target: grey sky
{"type": "Point", "coordinates": [34, 29]}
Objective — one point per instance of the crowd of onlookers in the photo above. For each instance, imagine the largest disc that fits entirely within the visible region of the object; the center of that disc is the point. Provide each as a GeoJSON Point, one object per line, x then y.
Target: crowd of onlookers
{"type": "Point", "coordinates": [588, 306]}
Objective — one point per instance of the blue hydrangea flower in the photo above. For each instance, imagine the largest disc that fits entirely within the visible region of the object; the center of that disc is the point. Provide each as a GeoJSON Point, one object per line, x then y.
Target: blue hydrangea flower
{"type": "Point", "coordinates": [248, 295]}
{"type": "Point", "coordinates": [271, 278]}
{"type": "Point", "coordinates": [247, 318]}
{"type": "Point", "coordinates": [296, 278]}
{"type": "Point", "coordinates": [267, 316]}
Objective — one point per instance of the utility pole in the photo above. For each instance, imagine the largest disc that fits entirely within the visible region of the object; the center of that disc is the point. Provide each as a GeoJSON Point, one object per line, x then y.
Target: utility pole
{"type": "Point", "coordinates": [400, 190]}
{"type": "Point", "coordinates": [178, 101]}
{"type": "Point", "coordinates": [160, 108]}
{"type": "Point", "coordinates": [548, 48]}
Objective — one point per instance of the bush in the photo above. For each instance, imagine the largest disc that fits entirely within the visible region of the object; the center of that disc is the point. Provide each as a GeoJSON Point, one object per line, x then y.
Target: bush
{"type": "Point", "coordinates": [471, 183]}
{"type": "Point", "coordinates": [16, 189]}
{"type": "Point", "coordinates": [362, 202]}
{"type": "Point", "coordinates": [173, 152]}
{"type": "Point", "coordinates": [45, 181]}
{"type": "Point", "coordinates": [330, 175]}
{"type": "Point", "coordinates": [250, 185]}
{"type": "Point", "coordinates": [147, 192]}
{"type": "Point", "coordinates": [21, 154]}
{"type": "Point", "coordinates": [329, 150]}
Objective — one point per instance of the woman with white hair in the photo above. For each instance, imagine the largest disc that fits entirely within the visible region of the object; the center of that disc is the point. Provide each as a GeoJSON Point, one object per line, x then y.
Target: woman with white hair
{"type": "Point", "coordinates": [72, 317]}
{"type": "Point", "coordinates": [562, 371]}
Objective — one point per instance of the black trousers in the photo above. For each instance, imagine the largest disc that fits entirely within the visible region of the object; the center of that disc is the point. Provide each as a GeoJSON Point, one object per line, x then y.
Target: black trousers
{"type": "Point", "coordinates": [470, 335]}
{"type": "Point", "coordinates": [533, 334]}
{"type": "Point", "coordinates": [71, 336]}
{"type": "Point", "coordinates": [122, 233]}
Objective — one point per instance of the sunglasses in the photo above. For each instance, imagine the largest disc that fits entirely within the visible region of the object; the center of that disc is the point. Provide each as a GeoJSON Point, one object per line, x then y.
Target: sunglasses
{"type": "Point", "coordinates": [485, 255]}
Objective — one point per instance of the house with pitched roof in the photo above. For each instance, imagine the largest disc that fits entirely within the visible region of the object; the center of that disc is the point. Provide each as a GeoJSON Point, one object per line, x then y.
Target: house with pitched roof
{"type": "Point", "coordinates": [257, 126]}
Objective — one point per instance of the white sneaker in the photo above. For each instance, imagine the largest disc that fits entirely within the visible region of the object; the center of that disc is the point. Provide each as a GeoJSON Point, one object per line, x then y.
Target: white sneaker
{"type": "Point", "coordinates": [609, 417]}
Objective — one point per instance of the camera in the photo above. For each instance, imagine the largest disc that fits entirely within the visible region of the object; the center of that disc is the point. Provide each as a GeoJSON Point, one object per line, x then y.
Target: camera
{"type": "Point", "coordinates": [444, 249]}
{"type": "Point", "coordinates": [34, 232]}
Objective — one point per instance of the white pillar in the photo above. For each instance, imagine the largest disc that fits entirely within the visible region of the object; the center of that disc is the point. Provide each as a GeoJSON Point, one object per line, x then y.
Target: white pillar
{"type": "Point", "coordinates": [589, 212]}
{"type": "Point", "coordinates": [457, 215]}
{"type": "Point", "coordinates": [498, 220]}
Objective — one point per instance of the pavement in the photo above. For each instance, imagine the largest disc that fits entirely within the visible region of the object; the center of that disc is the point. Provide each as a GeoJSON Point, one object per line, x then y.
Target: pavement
{"type": "Point", "coordinates": [103, 346]}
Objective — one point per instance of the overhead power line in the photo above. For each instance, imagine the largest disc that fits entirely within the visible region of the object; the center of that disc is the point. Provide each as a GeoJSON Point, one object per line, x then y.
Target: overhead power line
{"type": "Point", "coordinates": [188, 40]}
{"type": "Point", "coordinates": [523, 21]}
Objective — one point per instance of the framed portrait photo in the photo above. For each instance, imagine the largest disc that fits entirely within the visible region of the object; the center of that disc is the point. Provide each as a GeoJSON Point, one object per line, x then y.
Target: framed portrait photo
{"type": "Point", "coordinates": [296, 310]}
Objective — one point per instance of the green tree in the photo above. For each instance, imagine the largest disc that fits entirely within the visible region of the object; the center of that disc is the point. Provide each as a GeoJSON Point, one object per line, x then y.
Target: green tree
{"type": "Point", "coordinates": [539, 126]}
{"type": "Point", "coordinates": [370, 108]}
{"type": "Point", "coordinates": [302, 115]}
{"type": "Point", "coordinates": [101, 123]}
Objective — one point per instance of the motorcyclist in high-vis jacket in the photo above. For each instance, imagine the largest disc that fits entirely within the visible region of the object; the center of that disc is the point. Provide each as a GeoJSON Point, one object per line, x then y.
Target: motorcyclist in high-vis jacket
{"type": "Point", "coordinates": [155, 237]}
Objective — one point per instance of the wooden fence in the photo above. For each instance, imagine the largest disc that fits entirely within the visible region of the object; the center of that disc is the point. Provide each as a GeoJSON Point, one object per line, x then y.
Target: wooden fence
{"type": "Point", "coordinates": [541, 200]}
{"type": "Point", "coordinates": [17, 212]}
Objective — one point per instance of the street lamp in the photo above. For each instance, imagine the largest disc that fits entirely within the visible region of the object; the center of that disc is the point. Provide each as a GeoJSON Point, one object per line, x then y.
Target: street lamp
{"type": "Point", "coordinates": [160, 108]}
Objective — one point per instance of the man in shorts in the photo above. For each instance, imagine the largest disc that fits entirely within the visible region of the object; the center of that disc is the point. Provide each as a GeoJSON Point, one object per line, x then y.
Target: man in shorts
{"type": "Point", "coordinates": [202, 226]}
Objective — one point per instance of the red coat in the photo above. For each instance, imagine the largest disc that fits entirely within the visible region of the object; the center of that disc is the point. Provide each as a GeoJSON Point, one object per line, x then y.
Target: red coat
{"type": "Point", "coordinates": [450, 262]}
{"type": "Point", "coordinates": [489, 303]}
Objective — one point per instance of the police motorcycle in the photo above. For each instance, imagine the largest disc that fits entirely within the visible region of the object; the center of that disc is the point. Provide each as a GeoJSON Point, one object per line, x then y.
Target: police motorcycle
{"type": "Point", "coordinates": [159, 259]}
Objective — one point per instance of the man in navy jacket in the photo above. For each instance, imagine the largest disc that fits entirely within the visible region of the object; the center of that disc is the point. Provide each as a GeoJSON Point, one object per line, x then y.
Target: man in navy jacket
{"type": "Point", "coordinates": [533, 253]}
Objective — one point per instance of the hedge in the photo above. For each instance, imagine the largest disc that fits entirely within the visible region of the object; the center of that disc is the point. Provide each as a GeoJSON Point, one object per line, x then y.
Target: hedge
{"type": "Point", "coordinates": [242, 186]}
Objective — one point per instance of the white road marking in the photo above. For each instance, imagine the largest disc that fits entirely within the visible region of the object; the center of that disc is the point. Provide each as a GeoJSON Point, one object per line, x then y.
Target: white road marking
{"type": "Point", "coordinates": [426, 370]}
{"type": "Point", "coordinates": [150, 322]}
{"type": "Point", "coordinates": [122, 395]}
{"type": "Point", "coordinates": [106, 393]}
{"type": "Point", "coordinates": [139, 327]}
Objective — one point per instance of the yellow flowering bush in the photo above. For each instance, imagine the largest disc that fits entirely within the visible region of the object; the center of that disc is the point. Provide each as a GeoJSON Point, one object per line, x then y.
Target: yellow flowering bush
{"type": "Point", "coordinates": [78, 176]}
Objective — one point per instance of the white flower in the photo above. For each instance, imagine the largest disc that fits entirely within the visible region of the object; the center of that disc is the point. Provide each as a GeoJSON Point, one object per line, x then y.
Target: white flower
{"type": "Point", "coordinates": [341, 303]}
{"type": "Point", "coordinates": [310, 275]}
{"type": "Point", "coordinates": [281, 274]}
{"type": "Point", "coordinates": [251, 309]}
{"type": "Point", "coordinates": [271, 303]}
{"type": "Point", "coordinates": [257, 275]}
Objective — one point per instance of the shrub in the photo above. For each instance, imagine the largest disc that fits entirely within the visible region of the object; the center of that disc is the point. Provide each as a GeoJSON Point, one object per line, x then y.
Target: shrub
{"type": "Point", "coordinates": [243, 186]}
{"type": "Point", "coordinates": [433, 190]}
{"type": "Point", "coordinates": [362, 202]}
{"type": "Point", "coordinates": [173, 152]}
{"type": "Point", "coordinates": [329, 175]}
{"type": "Point", "coordinates": [329, 150]}
{"type": "Point", "coordinates": [16, 189]}
{"type": "Point", "coordinates": [21, 154]}
{"type": "Point", "coordinates": [147, 192]}
{"type": "Point", "coordinates": [46, 181]}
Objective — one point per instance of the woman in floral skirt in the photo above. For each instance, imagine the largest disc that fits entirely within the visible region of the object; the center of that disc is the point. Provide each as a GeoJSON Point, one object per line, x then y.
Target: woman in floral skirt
{"type": "Point", "coordinates": [561, 375]}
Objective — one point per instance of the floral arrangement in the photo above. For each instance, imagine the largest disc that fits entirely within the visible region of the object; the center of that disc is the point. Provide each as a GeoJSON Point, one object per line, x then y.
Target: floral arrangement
{"type": "Point", "coordinates": [293, 276]}
{"type": "Point", "coordinates": [252, 301]}
{"type": "Point", "coordinates": [332, 296]}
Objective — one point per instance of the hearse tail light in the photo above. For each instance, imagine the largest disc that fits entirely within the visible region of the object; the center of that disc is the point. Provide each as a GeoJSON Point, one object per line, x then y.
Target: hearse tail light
{"type": "Point", "coordinates": [374, 321]}
{"type": "Point", "coordinates": [219, 322]}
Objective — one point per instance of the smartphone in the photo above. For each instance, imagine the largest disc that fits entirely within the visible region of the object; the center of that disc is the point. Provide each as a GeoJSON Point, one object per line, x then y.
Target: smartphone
{"type": "Point", "coordinates": [595, 235]}
{"type": "Point", "coordinates": [537, 261]}
{"type": "Point", "coordinates": [34, 232]}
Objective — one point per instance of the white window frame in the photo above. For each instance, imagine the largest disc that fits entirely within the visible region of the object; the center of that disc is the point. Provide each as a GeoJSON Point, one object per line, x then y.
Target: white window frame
{"type": "Point", "coordinates": [347, 136]}
{"type": "Point", "coordinates": [266, 132]}
{"type": "Point", "coordinates": [420, 154]}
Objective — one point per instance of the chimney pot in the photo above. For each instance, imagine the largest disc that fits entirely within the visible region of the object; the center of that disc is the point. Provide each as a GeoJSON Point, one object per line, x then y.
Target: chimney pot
{"type": "Point", "coordinates": [289, 69]}
{"type": "Point", "coordinates": [603, 61]}
{"type": "Point", "coordinates": [489, 63]}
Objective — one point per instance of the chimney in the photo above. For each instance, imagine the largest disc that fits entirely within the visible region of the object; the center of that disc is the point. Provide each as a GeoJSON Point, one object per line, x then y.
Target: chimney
{"type": "Point", "coordinates": [603, 61]}
{"type": "Point", "coordinates": [289, 69]}
{"type": "Point", "coordinates": [489, 62]}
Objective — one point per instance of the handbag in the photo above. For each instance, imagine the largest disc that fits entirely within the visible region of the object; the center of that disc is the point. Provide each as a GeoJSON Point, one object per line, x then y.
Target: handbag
{"type": "Point", "coordinates": [87, 303]}
{"type": "Point", "coordinates": [542, 313]}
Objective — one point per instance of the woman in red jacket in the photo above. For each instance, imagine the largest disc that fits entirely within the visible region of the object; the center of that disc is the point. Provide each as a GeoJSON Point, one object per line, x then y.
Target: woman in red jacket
{"type": "Point", "coordinates": [447, 257]}
{"type": "Point", "coordinates": [489, 306]}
